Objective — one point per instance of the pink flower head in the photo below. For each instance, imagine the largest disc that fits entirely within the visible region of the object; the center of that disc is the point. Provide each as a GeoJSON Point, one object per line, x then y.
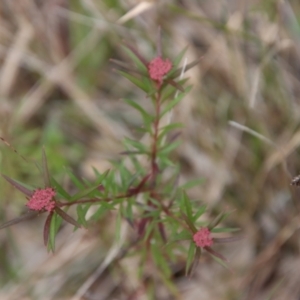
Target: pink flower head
{"type": "Point", "coordinates": [202, 238]}
{"type": "Point", "coordinates": [42, 199]}
{"type": "Point", "coordinates": [158, 68]}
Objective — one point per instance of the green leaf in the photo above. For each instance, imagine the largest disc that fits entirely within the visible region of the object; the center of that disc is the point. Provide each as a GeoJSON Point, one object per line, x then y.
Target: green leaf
{"type": "Point", "coordinates": [75, 180]}
{"type": "Point", "coordinates": [81, 213]}
{"type": "Point", "coordinates": [221, 217]}
{"type": "Point", "coordinates": [199, 213]}
{"type": "Point", "coordinates": [127, 177]}
{"type": "Point", "coordinates": [175, 101]}
{"type": "Point", "coordinates": [137, 145]}
{"type": "Point", "coordinates": [179, 57]}
{"type": "Point", "coordinates": [155, 202]}
{"type": "Point", "coordinates": [168, 92]}
{"type": "Point", "coordinates": [196, 260]}
{"type": "Point", "coordinates": [60, 190]}
{"type": "Point", "coordinates": [129, 211]}
{"type": "Point", "coordinates": [192, 183]}
{"type": "Point", "coordinates": [146, 117]}
{"type": "Point", "coordinates": [103, 208]}
{"type": "Point", "coordinates": [168, 148]}
{"type": "Point", "coordinates": [189, 222]}
{"type": "Point", "coordinates": [52, 233]}
{"type": "Point", "coordinates": [89, 190]}
{"type": "Point", "coordinates": [111, 186]}
{"type": "Point", "coordinates": [47, 228]}
{"type": "Point", "coordinates": [167, 128]}
{"type": "Point", "coordinates": [138, 82]}
{"type": "Point", "coordinates": [190, 257]}
{"type": "Point", "coordinates": [159, 259]}
{"type": "Point", "coordinates": [154, 214]}
{"type": "Point", "coordinates": [166, 161]}
{"type": "Point", "coordinates": [181, 236]}
{"type": "Point", "coordinates": [138, 62]}
{"type": "Point", "coordinates": [151, 87]}
{"type": "Point", "coordinates": [188, 206]}
{"type": "Point", "coordinates": [137, 165]}
{"type": "Point", "coordinates": [149, 230]}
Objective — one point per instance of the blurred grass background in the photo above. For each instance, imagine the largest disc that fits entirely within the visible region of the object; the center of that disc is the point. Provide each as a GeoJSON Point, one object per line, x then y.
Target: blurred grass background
{"type": "Point", "coordinates": [58, 89]}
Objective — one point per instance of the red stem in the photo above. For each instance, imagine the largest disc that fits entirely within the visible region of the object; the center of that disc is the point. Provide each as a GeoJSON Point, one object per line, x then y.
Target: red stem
{"type": "Point", "coordinates": [154, 167]}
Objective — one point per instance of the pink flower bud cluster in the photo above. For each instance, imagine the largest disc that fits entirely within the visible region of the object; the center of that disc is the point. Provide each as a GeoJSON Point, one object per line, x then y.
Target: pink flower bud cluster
{"type": "Point", "coordinates": [158, 68]}
{"type": "Point", "coordinates": [202, 238]}
{"type": "Point", "coordinates": [42, 199]}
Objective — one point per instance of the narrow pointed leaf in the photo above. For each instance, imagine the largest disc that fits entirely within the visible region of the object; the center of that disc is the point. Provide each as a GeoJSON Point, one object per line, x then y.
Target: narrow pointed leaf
{"type": "Point", "coordinates": [147, 117]}
{"type": "Point", "coordinates": [47, 228]}
{"type": "Point", "coordinates": [190, 257]}
{"type": "Point", "coordinates": [221, 262]}
{"type": "Point", "coordinates": [184, 68]}
{"type": "Point", "coordinates": [160, 260]}
{"type": "Point", "coordinates": [175, 85]}
{"type": "Point", "coordinates": [179, 57]}
{"type": "Point", "coordinates": [216, 254]}
{"type": "Point", "coordinates": [175, 101]}
{"type": "Point", "coordinates": [139, 146]}
{"type": "Point", "coordinates": [85, 192]}
{"type": "Point", "coordinates": [81, 213]}
{"type": "Point", "coordinates": [196, 261]}
{"type": "Point", "coordinates": [66, 217]}
{"type": "Point", "coordinates": [29, 215]}
{"type": "Point", "coordinates": [171, 89]}
{"type": "Point", "coordinates": [121, 63]}
{"type": "Point", "coordinates": [189, 222]}
{"type": "Point", "coordinates": [188, 206]}
{"type": "Point", "coordinates": [75, 180]}
{"type": "Point", "coordinates": [139, 83]}
{"type": "Point", "coordinates": [169, 128]}
{"type": "Point", "coordinates": [182, 236]}
{"type": "Point", "coordinates": [140, 62]}
{"type": "Point", "coordinates": [192, 183]}
{"type": "Point", "coordinates": [18, 186]}
{"type": "Point", "coordinates": [218, 219]}
{"type": "Point", "coordinates": [169, 147]}
{"type": "Point", "coordinates": [162, 232]}
{"type": "Point", "coordinates": [199, 213]}
{"type": "Point", "coordinates": [52, 232]}
{"type": "Point", "coordinates": [60, 189]}
{"type": "Point", "coordinates": [45, 169]}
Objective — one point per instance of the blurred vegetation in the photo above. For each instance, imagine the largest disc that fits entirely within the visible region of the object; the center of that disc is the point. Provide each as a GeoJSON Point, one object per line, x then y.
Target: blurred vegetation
{"type": "Point", "coordinates": [242, 119]}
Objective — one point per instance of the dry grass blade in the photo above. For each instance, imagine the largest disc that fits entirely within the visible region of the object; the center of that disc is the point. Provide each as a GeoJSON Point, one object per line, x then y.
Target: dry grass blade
{"type": "Point", "coordinates": [136, 11]}
{"type": "Point", "coordinates": [11, 65]}
{"type": "Point", "coordinates": [247, 78]}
